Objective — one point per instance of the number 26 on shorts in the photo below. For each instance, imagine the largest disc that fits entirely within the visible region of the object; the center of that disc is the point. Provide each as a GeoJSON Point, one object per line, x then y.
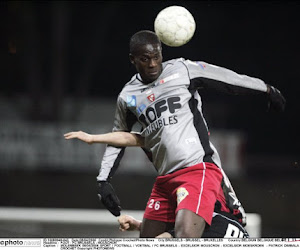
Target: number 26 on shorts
{"type": "Point", "coordinates": [154, 204]}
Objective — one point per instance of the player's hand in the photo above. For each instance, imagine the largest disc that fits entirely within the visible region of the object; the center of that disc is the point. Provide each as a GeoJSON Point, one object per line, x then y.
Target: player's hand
{"type": "Point", "coordinates": [164, 235]}
{"type": "Point", "coordinates": [108, 197]}
{"type": "Point", "coordinates": [79, 135]}
{"type": "Point", "coordinates": [276, 100]}
{"type": "Point", "coordinates": [128, 223]}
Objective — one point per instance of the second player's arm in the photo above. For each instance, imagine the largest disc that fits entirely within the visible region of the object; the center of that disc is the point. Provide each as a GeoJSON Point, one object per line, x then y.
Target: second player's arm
{"type": "Point", "coordinates": [128, 223]}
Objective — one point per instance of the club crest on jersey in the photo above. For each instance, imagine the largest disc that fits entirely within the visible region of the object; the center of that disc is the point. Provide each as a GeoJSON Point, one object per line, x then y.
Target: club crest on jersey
{"type": "Point", "coordinates": [131, 101]}
{"type": "Point", "coordinates": [151, 97]}
{"type": "Point", "coordinates": [181, 193]}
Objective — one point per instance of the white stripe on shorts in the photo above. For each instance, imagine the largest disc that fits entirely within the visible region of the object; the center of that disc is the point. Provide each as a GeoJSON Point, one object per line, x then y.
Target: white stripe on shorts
{"type": "Point", "coordinates": [202, 182]}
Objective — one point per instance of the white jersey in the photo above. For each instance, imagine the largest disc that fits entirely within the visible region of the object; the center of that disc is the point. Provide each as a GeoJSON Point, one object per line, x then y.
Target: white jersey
{"type": "Point", "coordinates": [170, 112]}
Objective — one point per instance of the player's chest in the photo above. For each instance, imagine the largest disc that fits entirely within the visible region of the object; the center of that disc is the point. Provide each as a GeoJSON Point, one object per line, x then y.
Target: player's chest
{"type": "Point", "coordinates": [165, 94]}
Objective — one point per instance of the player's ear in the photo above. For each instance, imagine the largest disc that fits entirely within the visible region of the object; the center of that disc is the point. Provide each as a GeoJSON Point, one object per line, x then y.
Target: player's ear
{"type": "Point", "coordinates": [131, 58]}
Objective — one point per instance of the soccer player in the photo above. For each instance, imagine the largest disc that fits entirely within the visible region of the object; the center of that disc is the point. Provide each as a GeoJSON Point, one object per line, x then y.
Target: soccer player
{"type": "Point", "coordinates": [163, 98]}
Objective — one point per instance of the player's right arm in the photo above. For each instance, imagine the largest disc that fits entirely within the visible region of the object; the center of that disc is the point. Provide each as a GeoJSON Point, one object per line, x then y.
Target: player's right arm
{"type": "Point", "coordinates": [118, 139]}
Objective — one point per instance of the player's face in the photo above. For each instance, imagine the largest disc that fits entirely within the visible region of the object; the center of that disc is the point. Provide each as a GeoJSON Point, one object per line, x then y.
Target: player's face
{"type": "Point", "coordinates": [148, 62]}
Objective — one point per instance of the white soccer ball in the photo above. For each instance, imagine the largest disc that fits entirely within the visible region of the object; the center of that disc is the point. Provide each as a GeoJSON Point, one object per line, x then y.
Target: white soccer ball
{"type": "Point", "coordinates": [174, 26]}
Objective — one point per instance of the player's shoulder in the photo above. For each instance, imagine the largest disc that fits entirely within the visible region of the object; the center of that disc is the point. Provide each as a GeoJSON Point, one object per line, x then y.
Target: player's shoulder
{"type": "Point", "coordinates": [174, 64]}
{"type": "Point", "coordinates": [184, 62]}
{"type": "Point", "coordinates": [130, 87]}
{"type": "Point", "coordinates": [133, 81]}
{"type": "Point", "coordinates": [174, 61]}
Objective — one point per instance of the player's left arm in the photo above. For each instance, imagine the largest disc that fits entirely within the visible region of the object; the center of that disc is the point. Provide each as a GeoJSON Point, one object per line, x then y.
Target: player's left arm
{"type": "Point", "coordinates": [205, 75]}
{"type": "Point", "coordinates": [124, 120]}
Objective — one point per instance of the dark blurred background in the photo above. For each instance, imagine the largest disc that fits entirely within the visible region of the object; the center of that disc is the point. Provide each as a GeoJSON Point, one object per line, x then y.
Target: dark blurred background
{"type": "Point", "coordinates": [62, 65]}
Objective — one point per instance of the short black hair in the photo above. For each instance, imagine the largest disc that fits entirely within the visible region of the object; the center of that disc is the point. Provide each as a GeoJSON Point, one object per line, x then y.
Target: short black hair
{"type": "Point", "coordinates": [143, 37]}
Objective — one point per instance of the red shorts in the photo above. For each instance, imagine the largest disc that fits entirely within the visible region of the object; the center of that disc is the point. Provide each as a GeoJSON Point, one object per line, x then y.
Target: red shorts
{"type": "Point", "coordinates": [194, 188]}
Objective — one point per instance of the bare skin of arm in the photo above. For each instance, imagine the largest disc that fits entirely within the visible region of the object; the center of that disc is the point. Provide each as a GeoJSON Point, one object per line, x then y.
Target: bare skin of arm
{"type": "Point", "coordinates": [128, 223]}
{"type": "Point", "coordinates": [118, 139]}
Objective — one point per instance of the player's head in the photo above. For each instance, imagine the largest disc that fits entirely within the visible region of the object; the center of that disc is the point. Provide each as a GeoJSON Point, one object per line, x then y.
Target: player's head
{"type": "Point", "coordinates": [146, 54]}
